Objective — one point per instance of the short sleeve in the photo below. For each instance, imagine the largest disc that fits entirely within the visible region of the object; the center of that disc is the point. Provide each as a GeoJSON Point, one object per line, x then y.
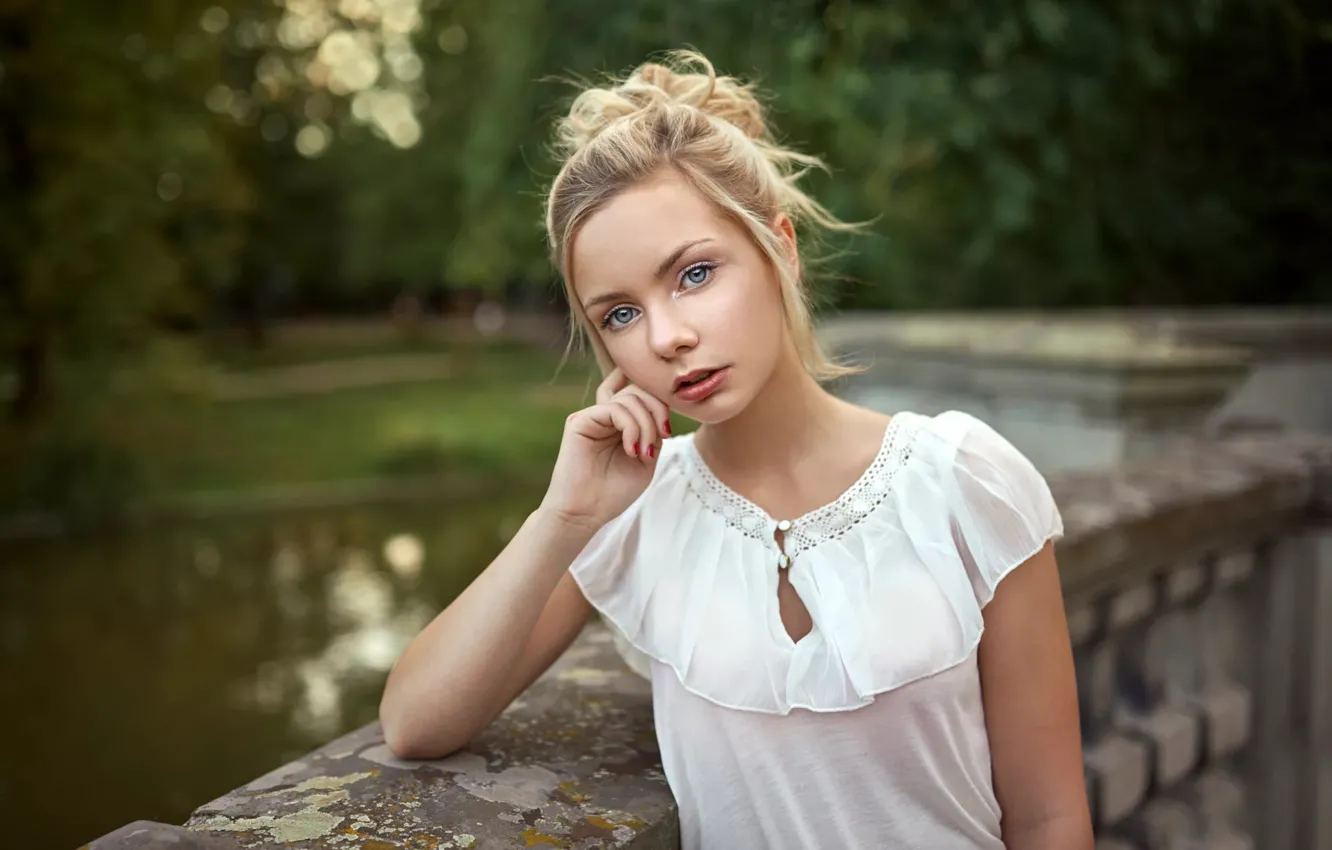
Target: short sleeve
{"type": "Point", "coordinates": [601, 572]}
{"type": "Point", "coordinates": [1001, 509]}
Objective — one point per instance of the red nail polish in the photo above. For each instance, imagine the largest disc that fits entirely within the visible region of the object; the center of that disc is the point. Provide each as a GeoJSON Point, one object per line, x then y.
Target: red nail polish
{"type": "Point", "coordinates": [652, 451]}
{"type": "Point", "coordinates": [635, 449]}
{"type": "Point", "coordinates": [667, 427]}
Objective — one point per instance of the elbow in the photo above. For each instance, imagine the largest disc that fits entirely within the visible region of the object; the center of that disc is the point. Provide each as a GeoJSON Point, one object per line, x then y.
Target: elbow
{"type": "Point", "coordinates": [413, 740]}
{"type": "Point", "coordinates": [411, 748]}
{"type": "Point", "coordinates": [399, 743]}
{"type": "Point", "coordinates": [406, 743]}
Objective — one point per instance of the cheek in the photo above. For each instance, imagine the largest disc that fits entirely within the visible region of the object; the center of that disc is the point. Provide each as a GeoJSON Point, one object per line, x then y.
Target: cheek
{"type": "Point", "coordinates": [750, 310]}
{"type": "Point", "coordinates": [625, 352]}
{"type": "Point", "coordinates": [629, 351]}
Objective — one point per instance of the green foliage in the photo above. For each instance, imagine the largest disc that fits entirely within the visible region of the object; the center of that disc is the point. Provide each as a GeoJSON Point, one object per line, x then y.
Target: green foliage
{"type": "Point", "coordinates": [118, 186]}
{"type": "Point", "coordinates": [80, 475]}
{"type": "Point", "coordinates": [1012, 152]}
{"type": "Point", "coordinates": [419, 456]}
{"type": "Point", "coordinates": [161, 159]}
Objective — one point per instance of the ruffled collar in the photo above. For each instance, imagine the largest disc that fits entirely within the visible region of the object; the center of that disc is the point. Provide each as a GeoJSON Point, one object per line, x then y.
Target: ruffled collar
{"type": "Point", "coordinates": [820, 525]}
{"type": "Point", "coordinates": [689, 576]}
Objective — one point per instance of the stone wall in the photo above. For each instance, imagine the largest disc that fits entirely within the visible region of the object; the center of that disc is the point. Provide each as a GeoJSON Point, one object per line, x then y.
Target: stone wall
{"type": "Point", "coordinates": [1199, 592]}
{"type": "Point", "coordinates": [1087, 389]}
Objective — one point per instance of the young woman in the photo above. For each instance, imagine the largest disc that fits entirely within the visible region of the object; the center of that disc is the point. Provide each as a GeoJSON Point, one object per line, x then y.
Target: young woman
{"type": "Point", "coordinates": [854, 623]}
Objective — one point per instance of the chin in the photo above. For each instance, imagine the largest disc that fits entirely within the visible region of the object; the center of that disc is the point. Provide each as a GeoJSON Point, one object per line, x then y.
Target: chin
{"type": "Point", "coordinates": [717, 409]}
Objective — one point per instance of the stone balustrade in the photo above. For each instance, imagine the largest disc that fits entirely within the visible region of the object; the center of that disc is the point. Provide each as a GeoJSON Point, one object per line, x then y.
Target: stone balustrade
{"type": "Point", "coordinates": [1199, 598]}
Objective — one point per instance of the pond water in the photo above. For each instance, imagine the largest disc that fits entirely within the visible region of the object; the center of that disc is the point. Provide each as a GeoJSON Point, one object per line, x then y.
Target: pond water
{"type": "Point", "coordinates": [145, 674]}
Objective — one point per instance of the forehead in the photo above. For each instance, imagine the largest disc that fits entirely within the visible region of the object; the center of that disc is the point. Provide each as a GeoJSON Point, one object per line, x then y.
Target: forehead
{"type": "Point", "coordinates": [626, 239]}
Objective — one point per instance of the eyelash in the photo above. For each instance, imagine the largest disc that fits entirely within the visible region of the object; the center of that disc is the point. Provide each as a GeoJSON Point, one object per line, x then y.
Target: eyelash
{"type": "Point", "coordinates": [710, 265]}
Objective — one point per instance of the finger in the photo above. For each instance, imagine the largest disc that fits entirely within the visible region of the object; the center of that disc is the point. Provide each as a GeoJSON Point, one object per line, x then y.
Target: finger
{"type": "Point", "coordinates": [649, 429]}
{"type": "Point", "coordinates": [602, 422]}
{"type": "Point", "coordinates": [661, 412]}
{"type": "Point", "coordinates": [611, 384]}
{"type": "Point", "coordinates": [627, 422]}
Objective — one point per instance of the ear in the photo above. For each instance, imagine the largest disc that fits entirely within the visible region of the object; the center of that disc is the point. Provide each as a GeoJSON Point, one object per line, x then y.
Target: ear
{"type": "Point", "coordinates": [785, 231]}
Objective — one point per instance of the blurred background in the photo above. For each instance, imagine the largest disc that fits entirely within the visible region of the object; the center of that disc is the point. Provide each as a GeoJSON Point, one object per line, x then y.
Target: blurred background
{"type": "Point", "coordinates": [280, 349]}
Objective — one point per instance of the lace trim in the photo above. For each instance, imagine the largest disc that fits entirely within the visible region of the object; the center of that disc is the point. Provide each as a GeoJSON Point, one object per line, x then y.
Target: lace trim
{"type": "Point", "coordinates": [829, 522]}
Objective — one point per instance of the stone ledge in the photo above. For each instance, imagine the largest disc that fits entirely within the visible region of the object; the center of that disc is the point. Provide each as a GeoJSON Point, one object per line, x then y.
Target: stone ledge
{"type": "Point", "coordinates": [1085, 342]}
{"type": "Point", "coordinates": [149, 835]}
{"type": "Point", "coordinates": [573, 763]}
{"type": "Point", "coordinates": [1205, 499]}
{"type": "Point", "coordinates": [1264, 331]}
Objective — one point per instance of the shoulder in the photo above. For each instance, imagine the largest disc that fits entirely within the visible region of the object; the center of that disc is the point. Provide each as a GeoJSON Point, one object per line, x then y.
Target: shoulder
{"type": "Point", "coordinates": [955, 439]}
{"type": "Point", "coordinates": [999, 507]}
{"type": "Point", "coordinates": [975, 462]}
{"type": "Point", "coordinates": [955, 427]}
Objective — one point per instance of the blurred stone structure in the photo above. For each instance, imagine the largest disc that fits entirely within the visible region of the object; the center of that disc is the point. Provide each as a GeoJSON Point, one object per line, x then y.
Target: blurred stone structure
{"type": "Point", "coordinates": [1091, 389]}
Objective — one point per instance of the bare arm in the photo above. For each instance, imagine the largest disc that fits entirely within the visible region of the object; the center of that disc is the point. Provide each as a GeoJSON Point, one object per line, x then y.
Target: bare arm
{"type": "Point", "coordinates": [489, 644]}
{"type": "Point", "coordinates": [1031, 711]}
{"type": "Point", "coordinates": [519, 615]}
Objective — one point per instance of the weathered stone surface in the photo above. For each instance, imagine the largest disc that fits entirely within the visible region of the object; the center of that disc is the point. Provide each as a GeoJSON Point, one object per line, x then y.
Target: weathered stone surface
{"type": "Point", "coordinates": [1123, 769]}
{"type": "Point", "coordinates": [1209, 498]}
{"type": "Point", "coordinates": [148, 835]}
{"type": "Point", "coordinates": [573, 764]}
{"type": "Point", "coordinates": [1094, 342]}
{"type": "Point", "coordinates": [1227, 713]}
{"type": "Point", "coordinates": [1082, 624]}
{"type": "Point", "coordinates": [1174, 737]}
{"type": "Point", "coordinates": [1228, 841]}
{"type": "Point", "coordinates": [1265, 332]}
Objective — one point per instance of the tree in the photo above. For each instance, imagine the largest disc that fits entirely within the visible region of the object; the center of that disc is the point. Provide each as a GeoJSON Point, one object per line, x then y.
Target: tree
{"type": "Point", "coordinates": [1020, 152]}
{"type": "Point", "coordinates": [116, 182]}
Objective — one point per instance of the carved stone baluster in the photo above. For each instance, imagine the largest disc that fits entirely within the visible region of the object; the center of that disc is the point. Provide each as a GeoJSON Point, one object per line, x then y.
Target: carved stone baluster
{"type": "Point", "coordinates": [1121, 763]}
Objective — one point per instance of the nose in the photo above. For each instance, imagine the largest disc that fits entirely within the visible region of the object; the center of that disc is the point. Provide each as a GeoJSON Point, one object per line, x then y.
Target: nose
{"type": "Point", "coordinates": [669, 335]}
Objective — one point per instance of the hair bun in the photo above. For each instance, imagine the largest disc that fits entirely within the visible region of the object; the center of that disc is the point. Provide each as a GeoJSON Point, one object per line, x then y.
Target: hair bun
{"type": "Point", "coordinates": [686, 78]}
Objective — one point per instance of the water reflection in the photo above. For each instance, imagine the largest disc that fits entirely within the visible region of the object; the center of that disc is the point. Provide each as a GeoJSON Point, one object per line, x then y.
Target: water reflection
{"type": "Point", "coordinates": [144, 675]}
{"type": "Point", "coordinates": [404, 554]}
{"type": "Point", "coordinates": [370, 616]}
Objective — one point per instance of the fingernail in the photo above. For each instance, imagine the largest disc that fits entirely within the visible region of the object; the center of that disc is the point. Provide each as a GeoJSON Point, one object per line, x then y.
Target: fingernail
{"type": "Point", "coordinates": [635, 449]}
{"type": "Point", "coordinates": [666, 426]}
{"type": "Point", "coordinates": [652, 451]}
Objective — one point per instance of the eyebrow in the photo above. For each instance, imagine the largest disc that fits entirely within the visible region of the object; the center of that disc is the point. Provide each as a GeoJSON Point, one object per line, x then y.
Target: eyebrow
{"type": "Point", "coordinates": [665, 266]}
{"type": "Point", "coordinates": [676, 255]}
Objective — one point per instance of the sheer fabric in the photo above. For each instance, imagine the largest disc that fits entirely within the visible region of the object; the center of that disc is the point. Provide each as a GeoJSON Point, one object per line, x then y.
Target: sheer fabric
{"type": "Point", "coordinates": [869, 730]}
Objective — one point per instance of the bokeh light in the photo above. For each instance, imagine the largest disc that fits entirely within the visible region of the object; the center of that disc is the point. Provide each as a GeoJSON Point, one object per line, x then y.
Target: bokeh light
{"type": "Point", "coordinates": [453, 39]}
{"type": "Point", "coordinates": [360, 49]}
{"type": "Point", "coordinates": [214, 20]}
{"type": "Point", "coordinates": [312, 140]}
{"type": "Point", "coordinates": [169, 186]}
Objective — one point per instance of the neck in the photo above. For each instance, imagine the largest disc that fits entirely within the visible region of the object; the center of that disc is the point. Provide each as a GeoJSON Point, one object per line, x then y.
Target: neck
{"type": "Point", "coordinates": [789, 416]}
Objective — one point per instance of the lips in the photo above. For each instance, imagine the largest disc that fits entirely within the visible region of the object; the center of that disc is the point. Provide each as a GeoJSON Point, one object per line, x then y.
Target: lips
{"type": "Point", "coordinates": [700, 384]}
{"type": "Point", "coordinates": [693, 377]}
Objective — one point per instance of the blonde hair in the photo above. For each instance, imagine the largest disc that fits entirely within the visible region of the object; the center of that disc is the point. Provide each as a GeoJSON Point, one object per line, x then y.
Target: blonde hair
{"type": "Point", "coordinates": [711, 130]}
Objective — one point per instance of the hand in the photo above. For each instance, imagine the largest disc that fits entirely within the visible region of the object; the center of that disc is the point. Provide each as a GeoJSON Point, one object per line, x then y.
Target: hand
{"type": "Point", "coordinates": [608, 454]}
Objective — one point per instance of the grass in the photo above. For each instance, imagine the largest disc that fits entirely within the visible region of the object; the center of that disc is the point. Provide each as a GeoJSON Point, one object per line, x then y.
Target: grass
{"type": "Point", "coordinates": [501, 412]}
{"type": "Point", "coordinates": [362, 433]}
{"type": "Point", "coordinates": [329, 341]}
{"type": "Point", "coordinates": [497, 414]}
{"type": "Point", "coordinates": [240, 359]}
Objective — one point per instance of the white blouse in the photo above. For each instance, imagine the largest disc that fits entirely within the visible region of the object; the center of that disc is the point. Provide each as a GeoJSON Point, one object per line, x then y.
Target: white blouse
{"type": "Point", "coordinates": [869, 731]}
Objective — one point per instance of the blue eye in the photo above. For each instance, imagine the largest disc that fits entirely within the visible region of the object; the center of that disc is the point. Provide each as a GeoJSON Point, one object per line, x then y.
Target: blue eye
{"type": "Point", "coordinates": [618, 318]}
{"type": "Point", "coordinates": [697, 275]}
